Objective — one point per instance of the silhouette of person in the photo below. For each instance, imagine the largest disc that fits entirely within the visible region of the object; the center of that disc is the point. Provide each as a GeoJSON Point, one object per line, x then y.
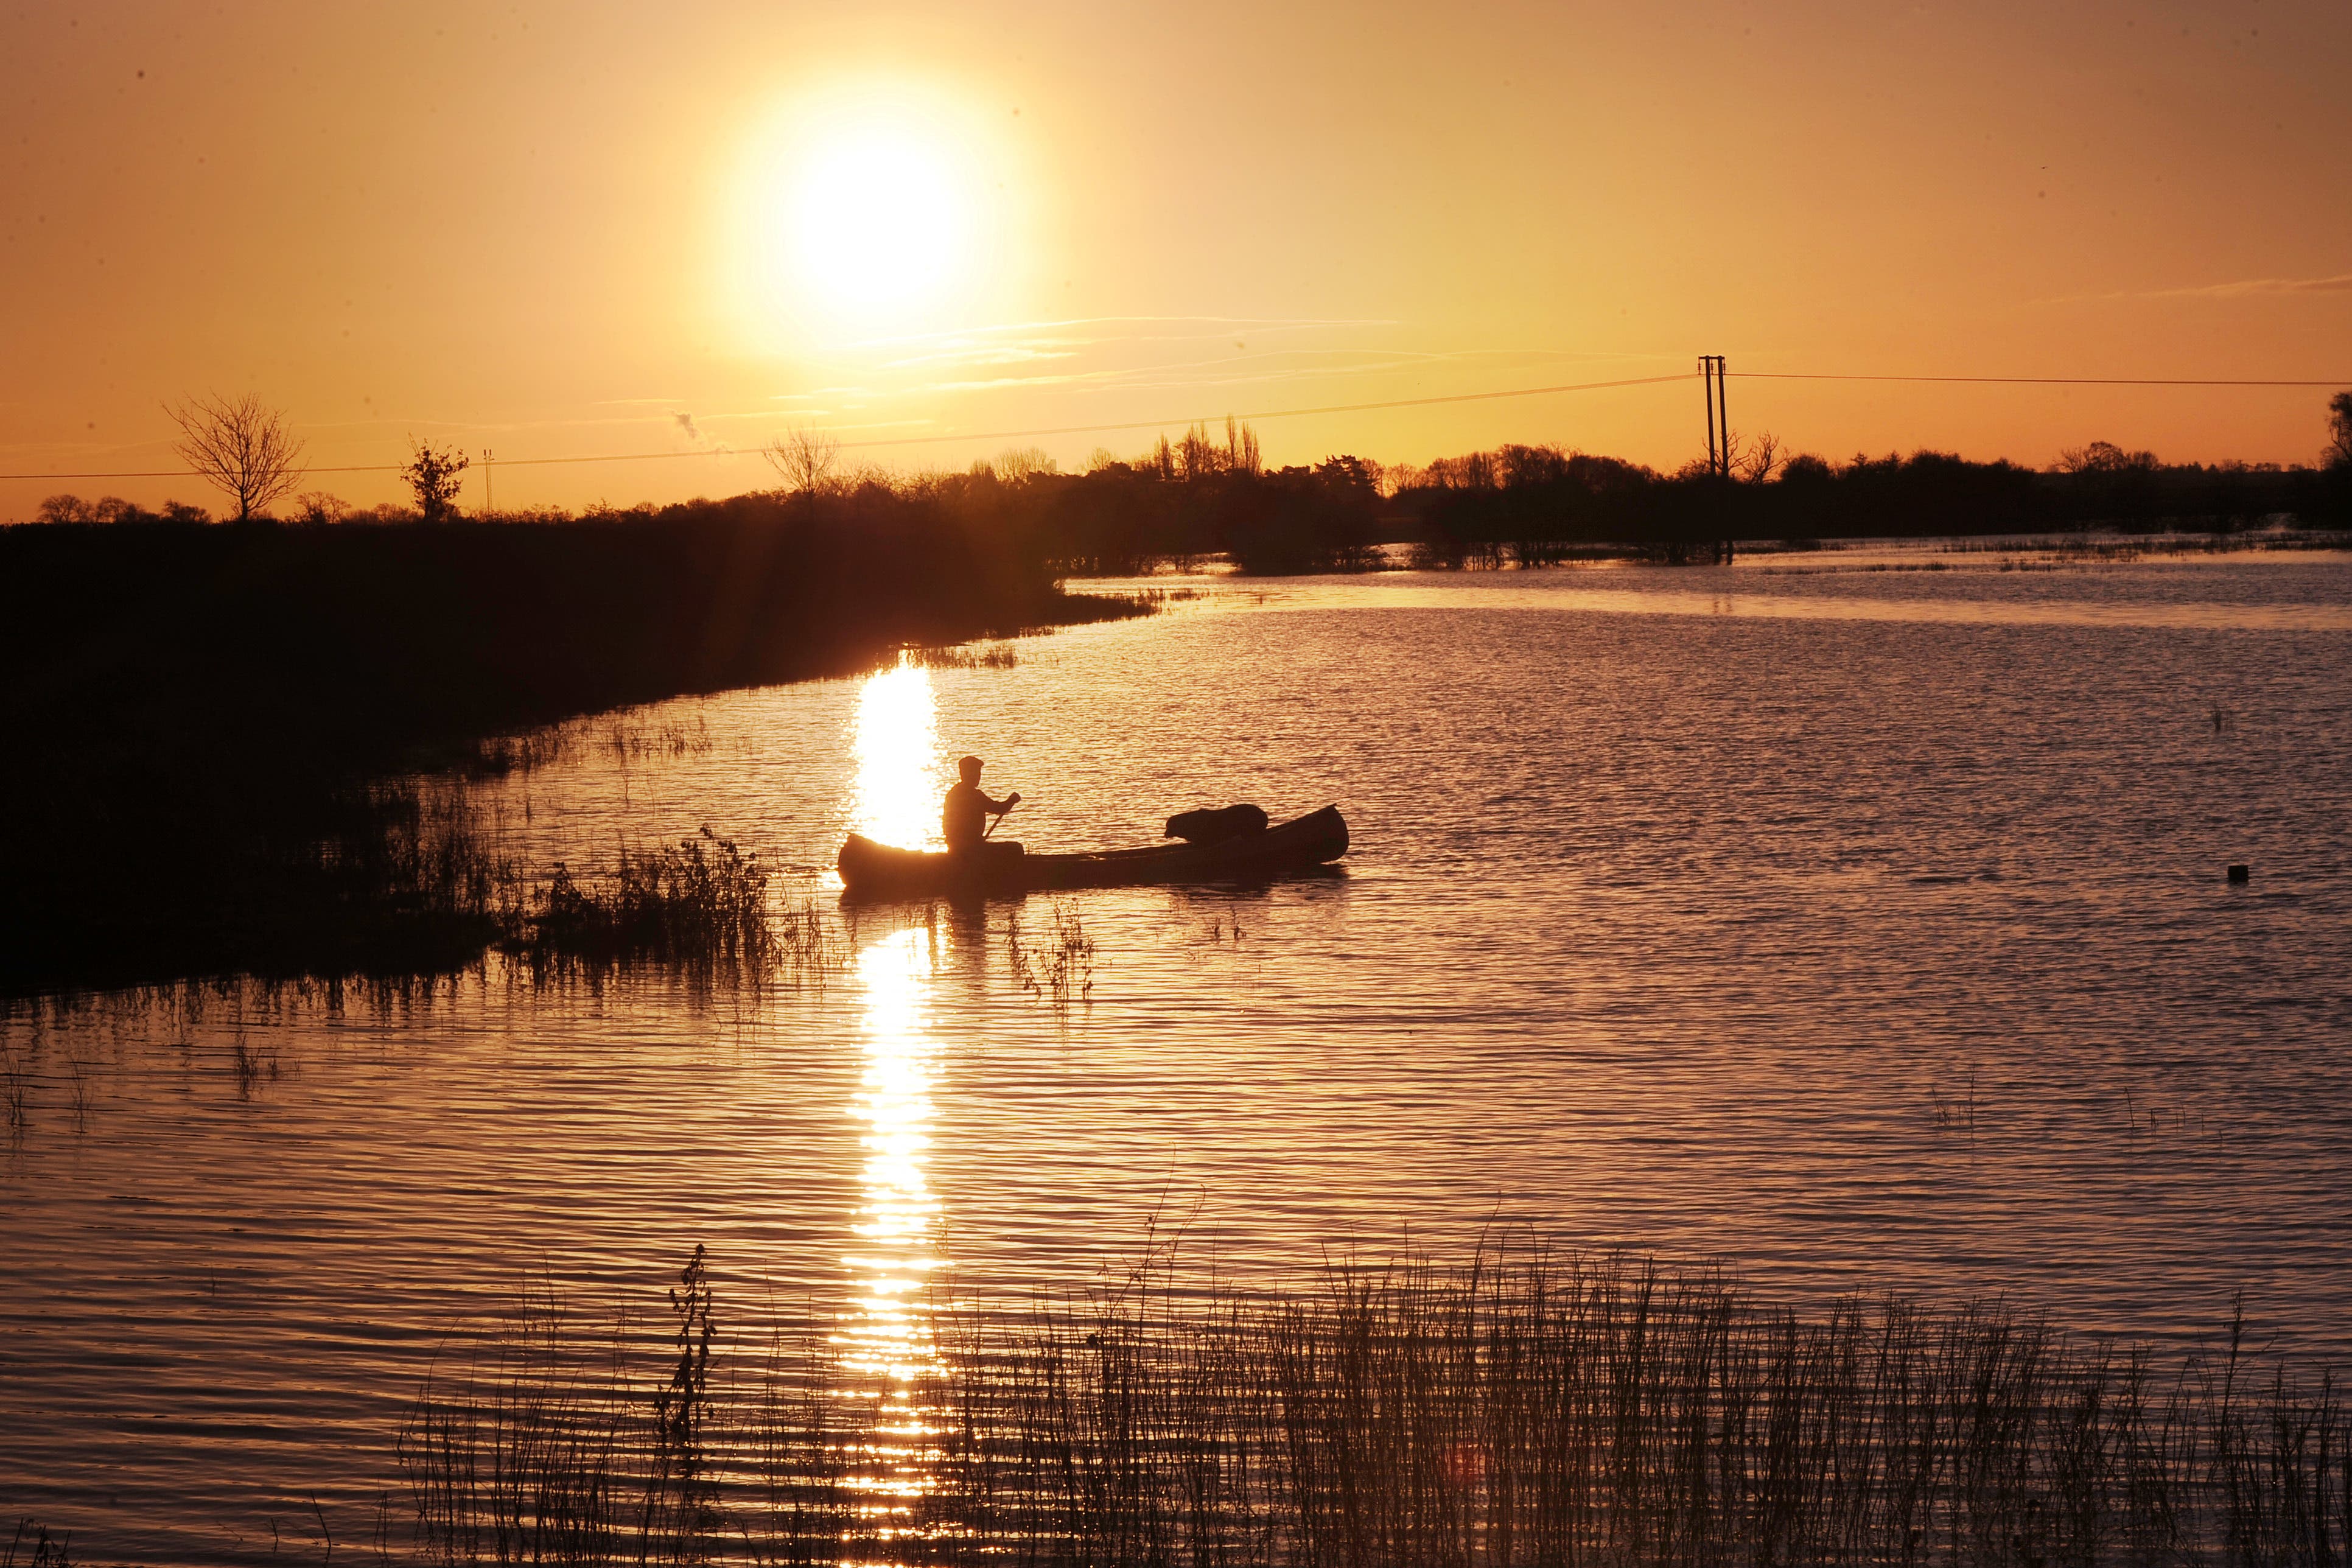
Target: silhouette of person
{"type": "Point", "coordinates": [963, 816]}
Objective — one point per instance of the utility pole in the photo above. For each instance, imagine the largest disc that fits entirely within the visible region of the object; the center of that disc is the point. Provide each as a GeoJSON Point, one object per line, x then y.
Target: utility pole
{"type": "Point", "coordinates": [489, 495]}
{"type": "Point", "coordinates": [1718, 448]}
{"type": "Point", "coordinates": [1723, 412]}
{"type": "Point", "coordinates": [1719, 416]}
{"type": "Point", "coordinates": [1706, 377]}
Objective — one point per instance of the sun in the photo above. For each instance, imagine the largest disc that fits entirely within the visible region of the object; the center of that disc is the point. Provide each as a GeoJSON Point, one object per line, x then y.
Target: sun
{"type": "Point", "coordinates": [878, 221]}
{"type": "Point", "coordinates": [871, 210]}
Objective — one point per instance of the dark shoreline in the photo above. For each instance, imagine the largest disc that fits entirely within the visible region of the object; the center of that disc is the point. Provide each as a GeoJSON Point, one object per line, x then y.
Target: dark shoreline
{"type": "Point", "coordinates": [222, 739]}
{"type": "Point", "coordinates": [215, 732]}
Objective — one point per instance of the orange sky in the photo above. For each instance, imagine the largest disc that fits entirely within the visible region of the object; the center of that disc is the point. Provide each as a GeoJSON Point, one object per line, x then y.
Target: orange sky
{"type": "Point", "coordinates": [553, 230]}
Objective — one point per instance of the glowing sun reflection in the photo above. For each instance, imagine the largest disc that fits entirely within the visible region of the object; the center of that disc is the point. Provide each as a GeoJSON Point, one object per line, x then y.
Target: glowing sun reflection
{"type": "Point", "coordinates": [886, 1343]}
{"type": "Point", "coordinates": [898, 786]}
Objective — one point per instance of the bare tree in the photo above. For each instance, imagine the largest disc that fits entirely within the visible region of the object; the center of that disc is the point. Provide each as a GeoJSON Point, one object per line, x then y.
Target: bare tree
{"type": "Point", "coordinates": [1197, 457]}
{"type": "Point", "coordinates": [805, 457]}
{"type": "Point", "coordinates": [1758, 458]}
{"type": "Point", "coordinates": [2104, 458]}
{"type": "Point", "coordinates": [243, 448]}
{"type": "Point", "coordinates": [434, 477]}
{"type": "Point", "coordinates": [1018, 463]}
{"type": "Point", "coordinates": [1241, 449]}
{"type": "Point", "coordinates": [319, 506]}
{"type": "Point", "coordinates": [2339, 431]}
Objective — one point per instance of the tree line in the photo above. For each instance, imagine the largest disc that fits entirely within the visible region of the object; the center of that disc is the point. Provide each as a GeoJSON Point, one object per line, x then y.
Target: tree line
{"type": "Point", "coordinates": [1211, 493]}
{"type": "Point", "coordinates": [200, 718]}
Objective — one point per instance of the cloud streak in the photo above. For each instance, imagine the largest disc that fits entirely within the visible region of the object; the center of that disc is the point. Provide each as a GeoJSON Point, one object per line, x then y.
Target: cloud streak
{"type": "Point", "coordinates": [2239, 289]}
{"type": "Point", "coordinates": [1272, 322]}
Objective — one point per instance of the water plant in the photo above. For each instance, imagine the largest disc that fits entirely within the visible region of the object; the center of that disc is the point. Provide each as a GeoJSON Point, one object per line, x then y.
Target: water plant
{"type": "Point", "coordinates": [554, 1446]}
{"type": "Point", "coordinates": [1060, 968]}
{"type": "Point", "coordinates": [1518, 1405]}
{"type": "Point", "coordinates": [32, 1546]}
{"type": "Point", "coordinates": [808, 946]}
{"type": "Point", "coordinates": [997, 655]}
{"type": "Point", "coordinates": [1955, 1111]}
{"type": "Point", "coordinates": [79, 1082]}
{"type": "Point", "coordinates": [701, 900]}
{"type": "Point", "coordinates": [14, 1092]}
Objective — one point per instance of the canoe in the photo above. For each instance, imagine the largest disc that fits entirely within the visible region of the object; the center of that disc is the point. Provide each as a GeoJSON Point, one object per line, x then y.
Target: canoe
{"type": "Point", "coordinates": [877, 871]}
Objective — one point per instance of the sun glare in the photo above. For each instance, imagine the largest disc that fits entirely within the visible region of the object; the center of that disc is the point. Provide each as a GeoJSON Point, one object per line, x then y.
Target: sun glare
{"type": "Point", "coordinates": [898, 789]}
{"type": "Point", "coordinates": [878, 219]}
{"type": "Point", "coordinates": [871, 212]}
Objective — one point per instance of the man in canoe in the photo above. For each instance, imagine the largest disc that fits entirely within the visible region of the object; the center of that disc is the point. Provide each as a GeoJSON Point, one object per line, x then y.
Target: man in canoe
{"type": "Point", "coordinates": [963, 817]}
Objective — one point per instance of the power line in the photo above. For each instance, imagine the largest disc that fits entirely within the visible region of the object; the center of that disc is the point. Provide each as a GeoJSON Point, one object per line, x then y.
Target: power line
{"type": "Point", "coordinates": [962, 435]}
{"type": "Point", "coordinates": [1271, 414]}
{"type": "Point", "coordinates": [2031, 380]}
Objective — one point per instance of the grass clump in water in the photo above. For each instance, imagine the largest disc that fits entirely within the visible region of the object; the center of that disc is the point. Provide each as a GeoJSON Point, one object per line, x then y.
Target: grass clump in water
{"type": "Point", "coordinates": [700, 900]}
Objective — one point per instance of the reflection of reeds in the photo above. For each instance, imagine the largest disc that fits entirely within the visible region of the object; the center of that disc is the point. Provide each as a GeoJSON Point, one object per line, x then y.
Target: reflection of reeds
{"type": "Point", "coordinates": [700, 900]}
{"type": "Point", "coordinates": [78, 1084]}
{"type": "Point", "coordinates": [14, 1090]}
{"type": "Point", "coordinates": [1955, 1111]}
{"type": "Point", "coordinates": [2153, 1117]}
{"type": "Point", "coordinates": [809, 947]}
{"type": "Point", "coordinates": [627, 737]}
{"type": "Point", "coordinates": [1060, 969]}
{"type": "Point", "coordinates": [1523, 1405]}
{"type": "Point", "coordinates": [999, 656]}
{"type": "Point", "coordinates": [251, 1066]}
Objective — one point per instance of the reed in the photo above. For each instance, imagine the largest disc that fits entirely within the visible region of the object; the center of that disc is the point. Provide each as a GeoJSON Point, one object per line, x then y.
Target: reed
{"type": "Point", "coordinates": [699, 901]}
{"type": "Point", "coordinates": [1532, 1406]}
{"type": "Point", "coordinates": [627, 737]}
{"type": "Point", "coordinates": [32, 1546]}
{"type": "Point", "coordinates": [551, 1447]}
{"type": "Point", "coordinates": [1521, 1405]}
{"type": "Point", "coordinates": [1059, 968]}
{"type": "Point", "coordinates": [810, 948]}
{"type": "Point", "coordinates": [78, 1085]}
{"type": "Point", "coordinates": [997, 655]}
{"type": "Point", "coordinates": [15, 1092]}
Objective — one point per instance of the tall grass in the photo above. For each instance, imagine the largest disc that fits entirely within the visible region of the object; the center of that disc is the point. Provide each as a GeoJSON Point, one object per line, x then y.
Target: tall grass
{"type": "Point", "coordinates": [624, 738]}
{"type": "Point", "coordinates": [551, 1446]}
{"type": "Point", "coordinates": [1534, 1407]}
{"type": "Point", "coordinates": [701, 900]}
{"type": "Point", "coordinates": [1521, 1405]}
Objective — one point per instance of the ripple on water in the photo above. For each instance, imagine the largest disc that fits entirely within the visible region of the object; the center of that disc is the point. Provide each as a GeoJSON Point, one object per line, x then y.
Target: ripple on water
{"type": "Point", "coordinates": [1864, 930]}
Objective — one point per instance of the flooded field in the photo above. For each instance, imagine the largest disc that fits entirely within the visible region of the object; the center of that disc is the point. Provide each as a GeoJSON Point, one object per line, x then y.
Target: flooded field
{"type": "Point", "coordinates": [1857, 919]}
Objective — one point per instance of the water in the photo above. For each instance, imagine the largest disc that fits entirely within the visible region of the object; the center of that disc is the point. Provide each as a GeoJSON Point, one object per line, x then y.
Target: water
{"type": "Point", "coordinates": [1861, 926]}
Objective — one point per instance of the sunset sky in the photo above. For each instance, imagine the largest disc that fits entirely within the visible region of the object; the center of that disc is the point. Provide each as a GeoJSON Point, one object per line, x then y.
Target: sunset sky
{"type": "Point", "coordinates": [566, 230]}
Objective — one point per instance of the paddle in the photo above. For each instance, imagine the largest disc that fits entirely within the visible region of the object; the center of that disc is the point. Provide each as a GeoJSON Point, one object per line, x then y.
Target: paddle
{"type": "Point", "coordinates": [999, 816]}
